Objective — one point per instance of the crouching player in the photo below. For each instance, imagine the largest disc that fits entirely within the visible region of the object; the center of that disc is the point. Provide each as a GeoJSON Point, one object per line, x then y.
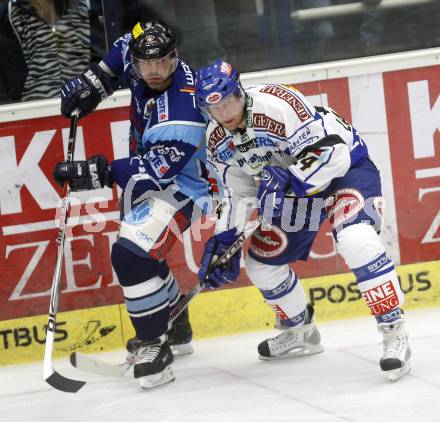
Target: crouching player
{"type": "Point", "coordinates": [311, 164]}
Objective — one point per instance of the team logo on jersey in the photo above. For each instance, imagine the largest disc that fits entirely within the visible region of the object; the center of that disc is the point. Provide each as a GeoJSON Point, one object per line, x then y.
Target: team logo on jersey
{"type": "Point", "coordinates": [343, 205]}
{"type": "Point", "coordinates": [139, 214]}
{"type": "Point", "coordinates": [171, 151]}
{"type": "Point", "coordinates": [268, 241]}
{"type": "Point", "coordinates": [214, 97]}
{"type": "Point", "coordinates": [149, 105]}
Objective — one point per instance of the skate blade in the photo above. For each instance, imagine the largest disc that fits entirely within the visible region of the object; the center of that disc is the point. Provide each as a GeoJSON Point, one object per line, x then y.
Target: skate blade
{"type": "Point", "coordinates": [182, 349]}
{"type": "Point", "coordinates": [155, 380]}
{"type": "Point", "coordinates": [396, 374]}
{"type": "Point", "coordinates": [131, 358]}
{"type": "Point", "coordinates": [296, 353]}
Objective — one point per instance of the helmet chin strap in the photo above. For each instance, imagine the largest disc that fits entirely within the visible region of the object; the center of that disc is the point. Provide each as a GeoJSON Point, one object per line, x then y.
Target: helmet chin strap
{"type": "Point", "coordinates": [168, 80]}
{"type": "Point", "coordinates": [242, 123]}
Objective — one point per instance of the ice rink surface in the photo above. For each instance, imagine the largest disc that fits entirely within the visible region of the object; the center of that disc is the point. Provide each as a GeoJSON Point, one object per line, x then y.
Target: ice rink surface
{"type": "Point", "coordinates": [224, 381]}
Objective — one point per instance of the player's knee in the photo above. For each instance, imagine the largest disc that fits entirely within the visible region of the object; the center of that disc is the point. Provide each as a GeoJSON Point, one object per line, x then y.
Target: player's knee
{"type": "Point", "coordinates": [265, 277]}
{"type": "Point", "coordinates": [130, 267]}
{"type": "Point", "coordinates": [359, 244]}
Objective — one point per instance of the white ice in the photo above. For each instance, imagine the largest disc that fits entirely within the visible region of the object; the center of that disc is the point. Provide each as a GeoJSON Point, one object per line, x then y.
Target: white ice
{"type": "Point", "coordinates": [224, 381]}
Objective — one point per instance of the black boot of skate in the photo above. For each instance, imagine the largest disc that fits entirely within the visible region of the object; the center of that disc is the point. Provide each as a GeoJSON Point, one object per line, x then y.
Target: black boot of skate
{"type": "Point", "coordinates": [180, 335]}
{"type": "Point", "coordinates": [152, 363]}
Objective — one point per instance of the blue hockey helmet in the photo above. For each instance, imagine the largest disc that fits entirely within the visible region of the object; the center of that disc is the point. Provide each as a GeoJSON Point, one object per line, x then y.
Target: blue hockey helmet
{"type": "Point", "coordinates": [215, 82]}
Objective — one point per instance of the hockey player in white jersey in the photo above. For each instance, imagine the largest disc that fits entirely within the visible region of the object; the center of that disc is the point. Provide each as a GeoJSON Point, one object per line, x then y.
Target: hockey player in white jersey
{"type": "Point", "coordinates": [303, 164]}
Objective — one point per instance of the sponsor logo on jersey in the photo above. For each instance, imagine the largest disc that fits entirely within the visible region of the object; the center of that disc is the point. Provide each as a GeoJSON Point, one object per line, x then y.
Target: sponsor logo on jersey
{"type": "Point", "coordinates": [159, 165]}
{"type": "Point", "coordinates": [259, 141]}
{"type": "Point", "coordinates": [301, 135]}
{"type": "Point", "coordinates": [296, 147]}
{"type": "Point", "coordinates": [268, 242]}
{"type": "Point", "coordinates": [225, 150]}
{"type": "Point", "coordinates": [217, 135]}
{"type": "Point", "coordinates": [256, 161]}
{"type": "Point", "coordinates": [381, 299]}
{"type": "Point", "coordinates": [189, 76]}
{"type": "Point", "coordinates": [214, 97]}
{"type": "Point", "coordinates": [289, 97]}
{"type": "Point", "coordinates": [246, 146]}
{"type": "Point", "coordinates": [162, 108]}
{"type": "Point", "coordinates": [343, 205]}
{"type": "Point", "coordinates": [272, 126]}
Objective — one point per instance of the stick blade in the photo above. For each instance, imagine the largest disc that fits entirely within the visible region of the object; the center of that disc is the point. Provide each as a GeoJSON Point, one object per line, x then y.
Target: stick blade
{"type": "Point", "coordinates": [61, 383]}
{"type": "Point", "coordinates": [96, 366]}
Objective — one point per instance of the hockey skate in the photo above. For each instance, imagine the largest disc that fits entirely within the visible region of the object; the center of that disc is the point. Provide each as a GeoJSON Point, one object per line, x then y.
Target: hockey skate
{"type": "Point", "coordinates": [294, 341]}
{"type": "Point", "coordinates": [152, 363]}
{"type": "Point", "coordinates": [180, 335]}
{"type": "Point", "coordinates": [396, 350]}
{"type": "Point", "coordinates": [179, 338]}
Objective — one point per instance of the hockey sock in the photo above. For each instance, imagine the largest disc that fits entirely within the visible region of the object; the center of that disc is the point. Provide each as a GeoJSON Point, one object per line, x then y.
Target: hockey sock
{"type": "Point", "coordinates": [375, 273]}
{"type": "Point", "coordinates": [145, 293]}
{"type": "Point", "coordinates": [170, 283]}
{"type": "Point", "coordinates": [281, 289]}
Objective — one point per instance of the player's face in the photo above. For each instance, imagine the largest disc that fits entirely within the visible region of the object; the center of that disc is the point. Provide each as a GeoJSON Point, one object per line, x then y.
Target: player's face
{"type": "Point", "coordinates": [157, 72]}
{"type": "Point", "coordinates": [229, 112]}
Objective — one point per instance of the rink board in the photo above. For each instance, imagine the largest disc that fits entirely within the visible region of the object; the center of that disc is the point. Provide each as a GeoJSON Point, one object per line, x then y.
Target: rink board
{"type": "Point", "coordinates": [214, 313]}
{"type": "Point", "coordinates": [392, 100]}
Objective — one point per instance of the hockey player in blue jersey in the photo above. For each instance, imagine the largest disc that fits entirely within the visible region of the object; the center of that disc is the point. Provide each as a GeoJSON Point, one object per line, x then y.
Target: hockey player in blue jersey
{"type": "Point", "coordinates": [311, 164]}
{"type": "Point", "coordinates": [163, 184]}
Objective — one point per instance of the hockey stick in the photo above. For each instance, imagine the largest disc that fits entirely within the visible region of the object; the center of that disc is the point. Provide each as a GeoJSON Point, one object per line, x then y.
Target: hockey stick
{"type": "Point", "coordinates": [251, 226]}
{"type": "Point", "coordinates": [51, 376]}
{"type": "Point", "coordinates": [97, 366]}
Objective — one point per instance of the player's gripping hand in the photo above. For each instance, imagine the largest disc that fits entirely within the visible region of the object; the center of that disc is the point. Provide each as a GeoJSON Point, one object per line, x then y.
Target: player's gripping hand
{"type": "Point", "coordinates": [85, 92]}
{"type": "Point", "coordinates": [274, 182]}
{"type": "Point", "coordinates": [84, 175]}
{"type": "Point", "coordinates": [215, 247]}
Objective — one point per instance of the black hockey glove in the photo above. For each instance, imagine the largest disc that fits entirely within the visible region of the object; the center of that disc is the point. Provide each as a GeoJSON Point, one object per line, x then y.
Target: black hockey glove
{"type": "Point", "coordinates": [84, 175]}
{"type": "Point", "coordinates": [86, 91]}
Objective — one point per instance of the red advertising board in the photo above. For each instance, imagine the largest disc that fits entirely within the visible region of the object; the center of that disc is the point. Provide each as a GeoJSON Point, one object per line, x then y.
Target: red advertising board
{"type": "Point", "coordinates": [413, 115]}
